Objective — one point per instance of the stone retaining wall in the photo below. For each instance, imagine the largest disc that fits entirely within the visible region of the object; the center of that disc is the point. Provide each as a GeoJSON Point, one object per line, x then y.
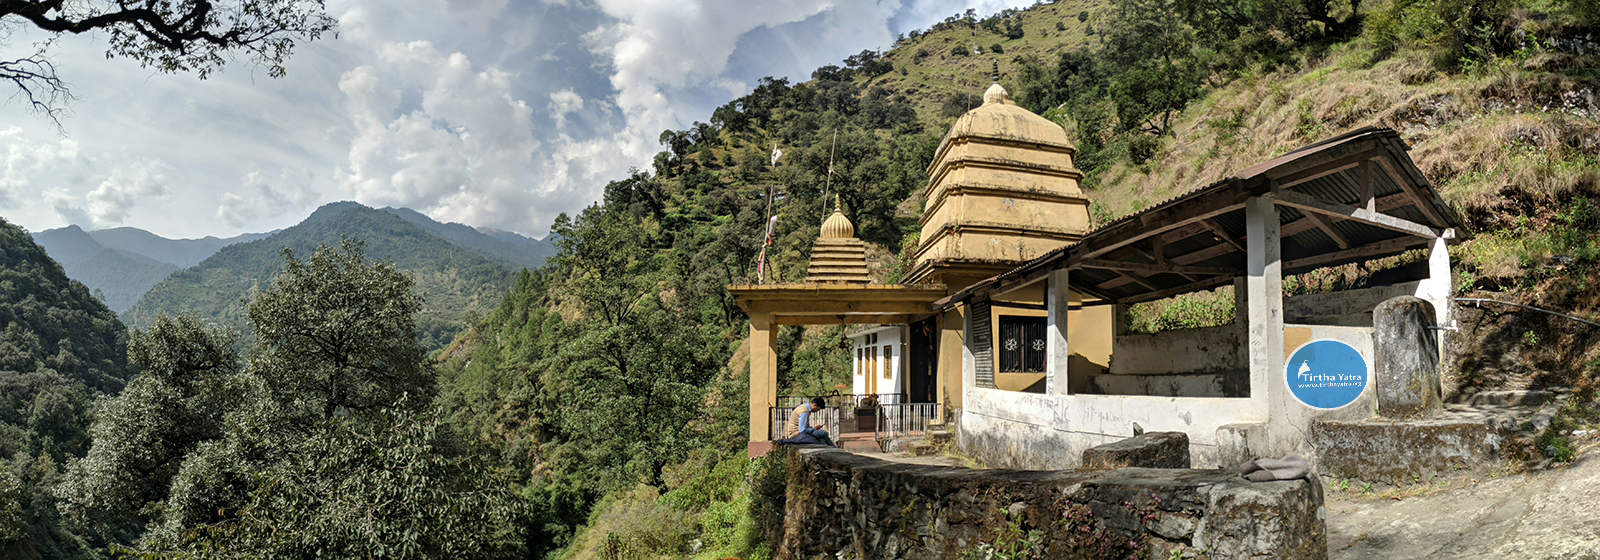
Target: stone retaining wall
{"type": "Point", "coordinates": [837, 502]}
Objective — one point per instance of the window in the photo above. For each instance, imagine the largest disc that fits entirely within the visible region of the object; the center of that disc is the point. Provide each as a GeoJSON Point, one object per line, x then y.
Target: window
{"type": "Point", "coordinates": [888, 361]}
{"type": "Point", "coordinates": [1022, 344]}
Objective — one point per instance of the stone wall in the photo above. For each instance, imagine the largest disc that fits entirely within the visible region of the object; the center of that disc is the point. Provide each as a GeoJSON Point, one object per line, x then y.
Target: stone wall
{"type": "Point", "coordinates": [838, 504]}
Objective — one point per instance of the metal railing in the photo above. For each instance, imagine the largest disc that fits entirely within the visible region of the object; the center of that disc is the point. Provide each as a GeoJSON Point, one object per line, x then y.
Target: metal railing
{"type": "Point", "coordinates": [780, 420]}
{"type": "Point", "coordinates": [897, 420]}
{"type": "Point", "coordinates": [837, 401]}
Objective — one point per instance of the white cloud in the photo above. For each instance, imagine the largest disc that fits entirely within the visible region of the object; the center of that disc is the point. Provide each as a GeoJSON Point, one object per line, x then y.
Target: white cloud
{"type": "Point", "coordinates": [562, 103]}
{"type": "Point", "coordinates": [488, 112]}
{"type": "Point", "coordinates": [125, 186]}
{"type": "Point", "coordinates": [466, 151]}
{"type": "Point", "coordinates": [258, 198]}
{"type": "Point", "coordinates": [60, 170]}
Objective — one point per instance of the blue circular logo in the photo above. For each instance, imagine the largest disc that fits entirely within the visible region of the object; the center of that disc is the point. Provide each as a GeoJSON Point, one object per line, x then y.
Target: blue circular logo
{"type": "Point", "coordinates": [1326, 374]}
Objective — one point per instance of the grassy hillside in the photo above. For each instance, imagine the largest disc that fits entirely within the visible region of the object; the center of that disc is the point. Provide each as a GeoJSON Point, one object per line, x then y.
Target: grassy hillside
{"type": "Point", "coordinates": [459, 283]}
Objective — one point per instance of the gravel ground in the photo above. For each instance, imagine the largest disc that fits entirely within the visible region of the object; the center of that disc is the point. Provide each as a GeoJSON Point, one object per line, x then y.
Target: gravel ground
{"type": "Point", "coordinates": [1546, 514]}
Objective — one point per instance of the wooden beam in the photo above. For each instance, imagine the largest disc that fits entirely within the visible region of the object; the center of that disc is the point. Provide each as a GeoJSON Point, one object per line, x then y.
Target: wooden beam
{"type": "Point", "coordinates": [1216, 229]}
{"type": "Point", "coordinates": [1397, 200]}
{"type": "Point", "coordinates": [1195, 287]}
{"type": "Point", "coordinates": [1329, 168]}
{"type": "Point", "coordinates": [1149, 269]}
{"type": "Point", "coordinates": [1156, 221]}
{"type": "Point", "coordinates": [1184, 232]}
{"type": "Point", "coordinates": [1151, 256]}
{"type": "Point", "coordinates": [1308, 203]}
{"type": "Point", "coordinates": [1159, 222]}
{"type": "Point", "coordinates": [1327, 228]}
{"type": "Point", "coordinates": [1423, 202]}
{"type": "Point", "coordinates": [1365, 251]}
{"type": "Point", "coordinates": [886, 319]}
{"type": "Point", "coordinates": [1137, 280]}
{"type": "Point", "coordinates": [1206, 254]}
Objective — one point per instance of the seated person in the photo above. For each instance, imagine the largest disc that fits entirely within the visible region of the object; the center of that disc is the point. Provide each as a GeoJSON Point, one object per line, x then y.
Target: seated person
{"type": "Point", "coordinates": [805, 428]}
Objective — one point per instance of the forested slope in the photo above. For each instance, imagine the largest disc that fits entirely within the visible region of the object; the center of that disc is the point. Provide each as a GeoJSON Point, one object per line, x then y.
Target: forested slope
{"type": "Point", "coordinates": [60, 350]}
{"type": "Point", "coordinates": [459, 283]}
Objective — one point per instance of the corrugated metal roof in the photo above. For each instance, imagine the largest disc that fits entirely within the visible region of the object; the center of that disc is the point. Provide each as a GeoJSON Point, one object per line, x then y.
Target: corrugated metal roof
{"type": "Point", "coordinates": [1306, 240]}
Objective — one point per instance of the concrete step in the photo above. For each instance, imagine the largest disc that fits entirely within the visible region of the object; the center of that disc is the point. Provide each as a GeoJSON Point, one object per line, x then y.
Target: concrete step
{"type": "Point", "coordinates": [858, 443]}
{"type": "Point", "coordinates": [1505, 398]}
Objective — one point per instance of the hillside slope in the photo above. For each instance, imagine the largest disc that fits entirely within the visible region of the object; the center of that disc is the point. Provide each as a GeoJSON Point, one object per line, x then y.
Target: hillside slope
{"type": "Point", "coordinates": [1178, 96]}
{"type": "Point", "coordinates": [458, 282]}
{"type": "Point", "coordinates": [60, 349]}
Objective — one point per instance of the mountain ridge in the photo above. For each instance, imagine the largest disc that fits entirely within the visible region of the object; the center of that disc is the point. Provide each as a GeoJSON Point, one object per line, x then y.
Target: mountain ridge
{"type": "Point", "coordinates": [457, 280]}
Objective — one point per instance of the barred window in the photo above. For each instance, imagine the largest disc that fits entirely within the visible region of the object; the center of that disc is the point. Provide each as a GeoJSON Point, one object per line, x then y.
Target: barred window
{"type": "Point", "coordinates": [1022, 344]}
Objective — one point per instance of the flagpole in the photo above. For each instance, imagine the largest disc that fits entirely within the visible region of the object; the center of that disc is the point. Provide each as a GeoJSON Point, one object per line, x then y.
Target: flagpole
{"type": "Point", "coordinates": [771, 221]}
{"type": "Point", "coordinates": [829, 183]}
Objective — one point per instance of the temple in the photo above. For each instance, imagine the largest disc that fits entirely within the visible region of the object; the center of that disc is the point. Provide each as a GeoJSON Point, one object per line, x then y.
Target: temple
{"type": "Point", "coordinates": [1010, 328]}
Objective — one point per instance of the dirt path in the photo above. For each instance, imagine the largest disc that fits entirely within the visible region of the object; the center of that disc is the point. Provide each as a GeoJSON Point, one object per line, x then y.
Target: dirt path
{"type": "Point", "coordinates": [1548, 514]}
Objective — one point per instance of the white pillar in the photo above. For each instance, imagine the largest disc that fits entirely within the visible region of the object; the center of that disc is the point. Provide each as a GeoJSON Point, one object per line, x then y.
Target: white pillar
{"type": "Point", "coordinates": [1264, 293]}
{"type": "Point", "coordinates": [1438, 288]}
{"type": "Point", "coordinates": [1057, 357]}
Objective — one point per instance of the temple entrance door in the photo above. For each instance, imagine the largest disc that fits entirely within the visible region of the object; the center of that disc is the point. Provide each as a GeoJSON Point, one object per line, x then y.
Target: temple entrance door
{"type": "Point", "coordinates": [923, 354]}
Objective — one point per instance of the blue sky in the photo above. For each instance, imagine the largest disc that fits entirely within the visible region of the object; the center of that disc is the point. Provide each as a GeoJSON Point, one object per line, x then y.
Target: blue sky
{"type": "Point", "coordinates": [494, 113]}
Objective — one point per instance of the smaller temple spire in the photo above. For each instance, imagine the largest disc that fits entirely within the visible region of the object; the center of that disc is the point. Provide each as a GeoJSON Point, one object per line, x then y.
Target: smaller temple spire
{"type": "Point", "coordinates": [838, 257]}
{"type": "Point", "coordinates": [837, 226]}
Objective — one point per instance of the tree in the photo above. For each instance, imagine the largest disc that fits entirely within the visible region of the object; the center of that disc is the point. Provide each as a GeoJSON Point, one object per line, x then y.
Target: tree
{"type": "Point", "coordinates": [144, 434]}
{"type": "Point", "coordinates": [323, 440]}
{"type": "Point", "coordinates": [166, 35]}
{"type": "Point", "coordinates": [338, 336]}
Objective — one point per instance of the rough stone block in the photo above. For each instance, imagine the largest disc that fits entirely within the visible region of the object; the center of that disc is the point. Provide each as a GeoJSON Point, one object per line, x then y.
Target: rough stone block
{"type": "Point", "coordinates": [1406, 359]}
{"type": "Point", "coordinates": [1155, 450]}
{"type": "Point", "coordinates": [1400, 452]}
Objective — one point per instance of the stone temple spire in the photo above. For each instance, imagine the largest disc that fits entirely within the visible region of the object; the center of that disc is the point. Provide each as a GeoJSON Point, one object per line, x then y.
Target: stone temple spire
{"type": "Point", "coordinates": [838, 257]}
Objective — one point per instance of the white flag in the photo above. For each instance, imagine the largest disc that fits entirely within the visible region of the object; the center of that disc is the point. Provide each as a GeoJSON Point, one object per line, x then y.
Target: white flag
{"type": "Point", "coordinates": [776, 153]}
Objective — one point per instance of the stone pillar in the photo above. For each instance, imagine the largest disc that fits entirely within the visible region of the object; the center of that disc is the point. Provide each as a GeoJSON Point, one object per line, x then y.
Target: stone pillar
{"type": "Point", "coordinates": [1406, 358]}
{"type": "Point", "coordinates": [763, 376]}
{"type": "Point", "coordinates": [951, 349]}
{"type": "Point", "coordinates": [1264, 296]}
{"type": "Point", "coordinates": [1057, 357]}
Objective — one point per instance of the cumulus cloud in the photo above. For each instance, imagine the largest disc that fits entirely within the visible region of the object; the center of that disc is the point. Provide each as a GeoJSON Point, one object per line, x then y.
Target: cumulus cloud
{"type": "Point", "coordinates": [60, 171]}
{"type": "Point", "coordinates": [562, 103]}
{"type": "Point", "coordinates": [466, 151]}
{"type": "Point", "coordinates": [488, 112]}
{"type": "Point", "coordinates": [259, 198]}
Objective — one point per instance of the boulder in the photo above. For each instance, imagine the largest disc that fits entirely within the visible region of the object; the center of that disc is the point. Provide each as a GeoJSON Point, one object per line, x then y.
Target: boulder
{"type": "Point", "coordinates": [1155, 450]}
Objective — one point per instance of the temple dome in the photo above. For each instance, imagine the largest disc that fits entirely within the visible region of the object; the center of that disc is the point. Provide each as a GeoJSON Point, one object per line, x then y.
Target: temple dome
{"type": "Point", "coordinates": [837, 226]}
{"type": "Point", "coordinates": [1001, 118]}
{"type": "Point", "coordinates": [1002, 190]}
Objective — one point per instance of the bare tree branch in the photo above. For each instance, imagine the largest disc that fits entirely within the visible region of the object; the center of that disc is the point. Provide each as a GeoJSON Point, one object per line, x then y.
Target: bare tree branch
{"type": "Point", "coordinates": [169, 35]}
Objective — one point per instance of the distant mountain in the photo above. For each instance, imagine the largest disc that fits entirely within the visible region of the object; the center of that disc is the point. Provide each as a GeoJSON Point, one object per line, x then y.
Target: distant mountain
{"type": "Point", "coordinates": [181, 252]}
{"type": "Point", "coordinates": [118, 275]}
{"type": "Point", "coordinates": [510, 248]}
{"type": "Point", "coordinates": [457, 279]}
